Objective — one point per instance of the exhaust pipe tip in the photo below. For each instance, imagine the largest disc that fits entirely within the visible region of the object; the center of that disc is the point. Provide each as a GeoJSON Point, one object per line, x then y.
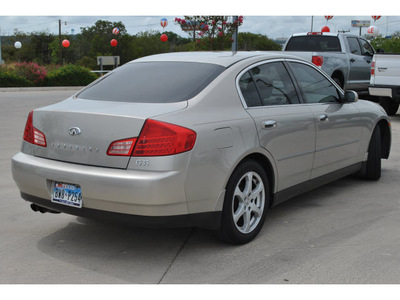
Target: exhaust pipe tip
{"type": "Point", "coordinates": [37, 208]}
{"type": "Point", "coordinates": [34, 207]}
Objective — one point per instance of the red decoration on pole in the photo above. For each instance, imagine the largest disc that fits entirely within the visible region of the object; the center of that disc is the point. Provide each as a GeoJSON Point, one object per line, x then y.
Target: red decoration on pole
{"type": "Point", "coordinates": [328, 17]}
{"type": "Point", "coordinates": [164, 38]}
{"type": "Point", "coordinates": [65, 43]}
{"type": "Point", "coordinates": [376, 17]}
{"type": "Point", "coordinates": [113, 42]}
{"type": "Point", "coordinates": [325, 29]}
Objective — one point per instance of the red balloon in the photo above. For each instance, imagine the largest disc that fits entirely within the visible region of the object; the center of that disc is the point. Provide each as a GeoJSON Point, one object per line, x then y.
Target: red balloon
{"type": "Point", "coordinates": [325, 29]}
{"type": "Point", "coordinates": [376, 17]}
{"type": "Point", "coordinates": [113, 42]}
{"type": "Point", "coordinates": [164, 38]}
{"type": "Point", "coordinates": [65, 43]}
{"type": "Point", "coordinates": [328, 17]}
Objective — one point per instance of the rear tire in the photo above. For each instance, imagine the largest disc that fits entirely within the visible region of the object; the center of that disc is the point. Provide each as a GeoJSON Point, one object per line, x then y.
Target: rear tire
{"type": "Point", "coordinates": [373, 164]}
{"type": "Point", "coordinates": [389, 105]}
{"type": "Point", "coordinates": [245, 205]}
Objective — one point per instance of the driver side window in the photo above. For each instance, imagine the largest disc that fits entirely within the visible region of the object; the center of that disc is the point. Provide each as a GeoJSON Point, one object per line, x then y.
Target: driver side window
{"type": "Point", "coordinates": [316, 88]}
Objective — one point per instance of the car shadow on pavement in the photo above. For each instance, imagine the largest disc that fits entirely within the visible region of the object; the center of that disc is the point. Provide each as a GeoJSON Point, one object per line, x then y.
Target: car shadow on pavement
{"type": "Point", "coordinates": [306, 225]}
{"type": "Point", "coordinates": [115, 252]}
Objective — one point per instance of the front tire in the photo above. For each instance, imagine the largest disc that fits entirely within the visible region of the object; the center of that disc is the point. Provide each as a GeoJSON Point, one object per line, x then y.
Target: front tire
{"type": "Point", "coordinates": [246, 202]}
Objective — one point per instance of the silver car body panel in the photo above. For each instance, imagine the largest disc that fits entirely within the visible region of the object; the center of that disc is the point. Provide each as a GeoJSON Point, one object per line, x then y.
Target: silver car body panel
{"type": "Point", "coordinates": [192, 182]}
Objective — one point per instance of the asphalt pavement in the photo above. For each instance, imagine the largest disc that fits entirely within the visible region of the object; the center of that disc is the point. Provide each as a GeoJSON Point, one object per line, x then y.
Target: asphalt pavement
{"type": "Point", "coordinates": [346, 232]}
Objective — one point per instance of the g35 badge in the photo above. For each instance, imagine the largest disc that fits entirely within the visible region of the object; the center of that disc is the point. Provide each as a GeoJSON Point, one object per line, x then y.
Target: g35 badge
{"type": "Point", "coordinates": [143, 162]}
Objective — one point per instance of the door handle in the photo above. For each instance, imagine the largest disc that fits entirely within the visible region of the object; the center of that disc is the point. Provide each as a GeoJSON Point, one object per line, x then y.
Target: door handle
{"type": "Point", "coordinates": [268, 124]}
{"type": "Point", "coordinates": [352, 60]}
{"type": "Point", "coordinates": [323, 117]}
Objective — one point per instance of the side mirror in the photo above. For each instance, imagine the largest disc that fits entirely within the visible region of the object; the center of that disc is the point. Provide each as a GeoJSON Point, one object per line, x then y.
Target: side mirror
{"type": "Point", "coordinates": [350, 96]}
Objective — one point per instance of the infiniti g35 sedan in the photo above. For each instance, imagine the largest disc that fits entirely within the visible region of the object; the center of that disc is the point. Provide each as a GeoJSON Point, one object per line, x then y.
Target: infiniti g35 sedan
{"type": "Point", "coordinates": [211, 140]}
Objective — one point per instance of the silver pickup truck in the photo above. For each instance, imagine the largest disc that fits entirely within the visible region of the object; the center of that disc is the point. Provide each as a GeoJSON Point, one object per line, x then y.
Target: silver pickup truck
{"type": "Point", "coordinates": [385, 81]}
{"type": "Point", "coordinates": [345, 57]}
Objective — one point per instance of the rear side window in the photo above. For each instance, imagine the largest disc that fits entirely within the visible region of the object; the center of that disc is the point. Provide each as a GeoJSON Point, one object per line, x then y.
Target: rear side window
{"type": "Point", "coordinates": [314, 43]}
{"type": "Point", "coordinates": [267, 84]}
{"type": "Point", "coordinates": [153, 82]}
{"type": "Point", "coordinates": [354, 46]}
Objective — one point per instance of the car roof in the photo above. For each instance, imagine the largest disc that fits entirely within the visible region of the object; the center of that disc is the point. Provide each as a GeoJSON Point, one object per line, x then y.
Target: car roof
{"type": "Point", "coordinates": [223, 58]}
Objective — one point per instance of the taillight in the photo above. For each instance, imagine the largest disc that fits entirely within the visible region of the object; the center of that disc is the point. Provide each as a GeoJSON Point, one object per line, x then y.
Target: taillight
{"type": "Point", "coordinates": [156, 139]}
{"type": "Point", "coordinates": [373, 68]}
{"type": "Point", "coordinates": [33, 135]}
{"type": "Point", "coordinates": [318, 60]}
{"type": "Point", "coordinates": [159, 139]}
{"type": "Point", "coordinates": [122, 147]}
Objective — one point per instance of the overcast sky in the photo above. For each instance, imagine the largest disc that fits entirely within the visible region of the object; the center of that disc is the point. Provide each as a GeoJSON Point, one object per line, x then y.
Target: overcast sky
{"type": "Point", "coordinates": [279, 18]}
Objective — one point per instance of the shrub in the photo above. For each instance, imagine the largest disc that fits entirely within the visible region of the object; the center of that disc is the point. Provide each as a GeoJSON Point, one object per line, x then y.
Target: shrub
{"type": "Point", "coordinates": [70, 75]}
{"type": "Point", "coordinates": [10, 78]}
{"type": "Point", "coordinates": [31, 71]}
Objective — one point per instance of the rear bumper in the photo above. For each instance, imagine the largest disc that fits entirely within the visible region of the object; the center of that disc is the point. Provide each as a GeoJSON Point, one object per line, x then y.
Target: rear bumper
{"type": "Point", "coordinates": [210, 220]}
{"type": "Point", "coordinates": [385, 91]}
{"type": "Point", "coordinates": [130, 192]}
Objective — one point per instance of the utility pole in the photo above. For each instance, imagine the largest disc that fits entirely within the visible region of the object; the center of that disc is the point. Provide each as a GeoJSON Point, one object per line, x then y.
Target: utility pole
{"type": "Point", "coordinates": [235, 36]}
{"type": "Point", "coordinates": [59, 40]}
{"type": "Point", "coordinates": [1, 61]}
{"type": "Point", "coordinates": [312, 23]}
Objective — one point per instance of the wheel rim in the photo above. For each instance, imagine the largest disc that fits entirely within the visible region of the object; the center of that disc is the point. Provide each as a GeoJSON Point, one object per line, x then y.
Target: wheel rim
{"type": "Point", "coordinates": [248, 202]}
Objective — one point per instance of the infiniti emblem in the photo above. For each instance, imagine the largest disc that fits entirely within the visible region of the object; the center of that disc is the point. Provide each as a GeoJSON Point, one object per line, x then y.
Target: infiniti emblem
{"type": "Point", "coordinates": [74, 131]}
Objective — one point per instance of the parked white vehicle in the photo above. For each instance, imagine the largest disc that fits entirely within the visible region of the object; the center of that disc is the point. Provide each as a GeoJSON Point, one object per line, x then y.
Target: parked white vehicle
{"type": "Point", "coordinates": [385, 81]}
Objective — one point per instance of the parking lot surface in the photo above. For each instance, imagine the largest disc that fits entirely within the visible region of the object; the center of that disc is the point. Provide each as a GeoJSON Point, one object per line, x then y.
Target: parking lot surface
{"type": "Point", "coordinates": [345, 232]}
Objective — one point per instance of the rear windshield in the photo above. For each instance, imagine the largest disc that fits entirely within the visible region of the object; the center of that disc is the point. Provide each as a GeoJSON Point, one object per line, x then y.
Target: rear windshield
{"type": "Point", "coordinates": [153, 82]}
{"type": "Point", "coordinates": [313, 43]}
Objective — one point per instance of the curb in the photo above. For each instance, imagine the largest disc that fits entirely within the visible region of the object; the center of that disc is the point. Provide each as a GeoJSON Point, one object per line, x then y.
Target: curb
{"type": "Point", "coordinates": [41, 89]}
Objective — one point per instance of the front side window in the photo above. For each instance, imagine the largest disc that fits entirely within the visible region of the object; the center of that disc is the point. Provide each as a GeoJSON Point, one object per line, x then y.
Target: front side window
{"type": "Point", "coordinates": [153, 82]}
{"type": "Point", "coordinates": [267, 84]}
{"type": "Point", "coordinates": [316, 88]}
{"type": "Point", "coordinates": [366, 48]}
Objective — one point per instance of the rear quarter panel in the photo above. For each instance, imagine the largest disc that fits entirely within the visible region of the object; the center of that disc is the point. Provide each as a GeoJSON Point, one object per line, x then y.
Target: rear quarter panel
{"type": "Point", "coordinates": [225, 135]}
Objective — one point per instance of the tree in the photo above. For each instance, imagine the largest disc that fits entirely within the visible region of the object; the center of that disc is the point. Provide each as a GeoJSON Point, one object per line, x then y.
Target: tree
{"type": "Point", "coordinates": [214, 32]}
{"type": "Point", "coordinates": [250, 42]}
{"type": "Point", "coordinates": [391, 45]}
{"type": "Point", "coordinates": [95, 40]}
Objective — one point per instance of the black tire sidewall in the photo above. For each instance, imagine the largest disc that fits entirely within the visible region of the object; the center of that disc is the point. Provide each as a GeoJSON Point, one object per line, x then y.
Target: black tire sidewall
{"type": "Point", "coordinates": [373, 169]}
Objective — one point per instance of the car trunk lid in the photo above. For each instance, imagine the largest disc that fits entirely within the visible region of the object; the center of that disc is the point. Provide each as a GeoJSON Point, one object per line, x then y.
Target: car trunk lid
{"type": "Point", "coordinates": [80, 131]}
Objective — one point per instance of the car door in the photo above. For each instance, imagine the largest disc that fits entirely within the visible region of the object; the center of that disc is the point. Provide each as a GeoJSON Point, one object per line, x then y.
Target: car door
{"type": "Point", "coordinates": [360, 57]}
{"type": "Point", "coordinates": [338, 124]}
{"type": "Point", "coordinates": [285, 127]}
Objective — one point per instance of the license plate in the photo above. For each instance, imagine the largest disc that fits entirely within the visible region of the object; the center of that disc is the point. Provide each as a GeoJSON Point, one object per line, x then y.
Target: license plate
{"type": "Point", "coordinates": [67, 194]}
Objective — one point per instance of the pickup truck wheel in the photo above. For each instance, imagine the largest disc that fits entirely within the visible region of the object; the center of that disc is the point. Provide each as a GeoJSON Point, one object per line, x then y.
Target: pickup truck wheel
{"type": "Point", "coordinates": [245, 205]}
{"type": "Point", "coordinates": [389, 105]}
{"type": "Point", "coordinates": [373, 164]}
